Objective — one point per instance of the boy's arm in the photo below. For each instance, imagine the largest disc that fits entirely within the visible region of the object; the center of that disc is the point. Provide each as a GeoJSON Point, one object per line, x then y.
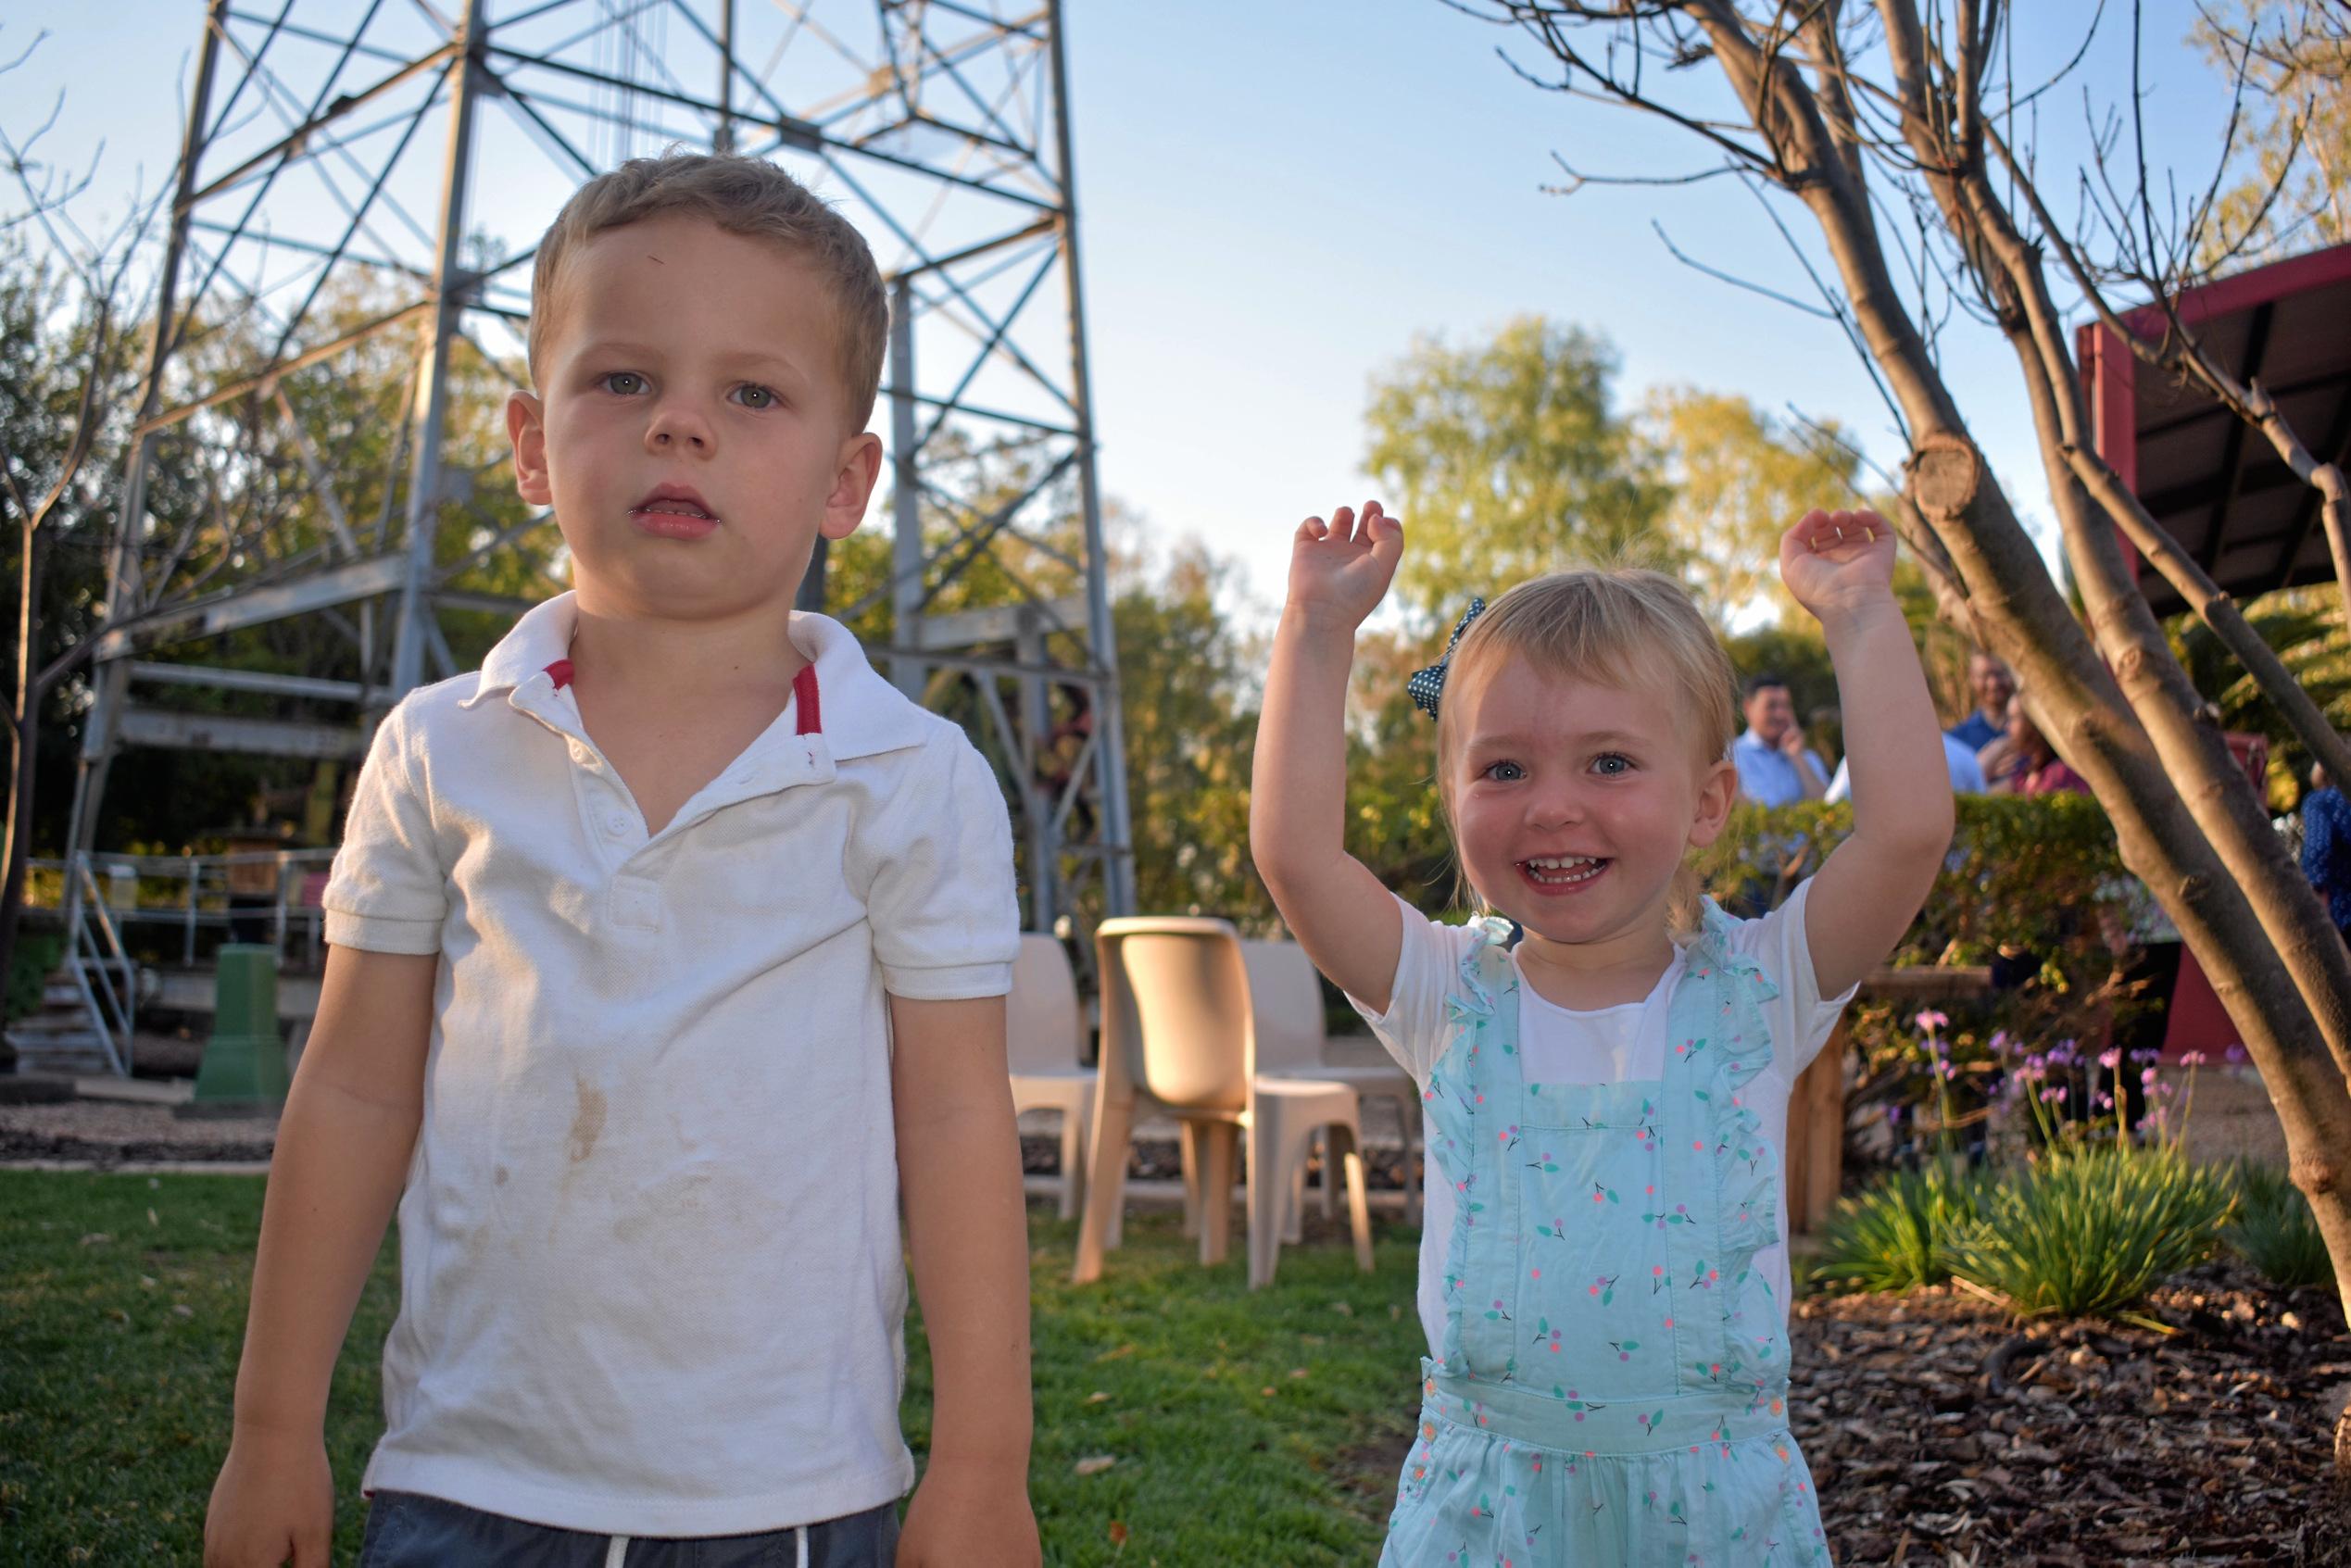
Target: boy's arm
{"type": "Point", "coordinates": [959, 1172]}
{"type": "Point", "coordinates": [1872, 886]}
{"type": "Point", "coordinates": [1341, 913]}
{"type": "Point", "coordinates": [342, 1150]}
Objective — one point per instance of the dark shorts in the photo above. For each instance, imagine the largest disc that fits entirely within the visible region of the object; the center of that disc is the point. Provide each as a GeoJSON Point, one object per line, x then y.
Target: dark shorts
{"type": "Point", "coordinates": [406, 1530]}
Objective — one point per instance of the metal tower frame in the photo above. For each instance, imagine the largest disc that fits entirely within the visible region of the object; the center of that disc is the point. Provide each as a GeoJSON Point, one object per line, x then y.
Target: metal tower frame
{"type": "Point", "coordinates": [360, 184]}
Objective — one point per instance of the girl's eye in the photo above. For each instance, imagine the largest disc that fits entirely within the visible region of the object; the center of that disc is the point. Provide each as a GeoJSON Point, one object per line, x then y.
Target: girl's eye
{"type": "Point", "coordinates": [755, 397]}
{"type": "Point", "coordinates": [1611, 764]}
{"type": "Point", "coordinates": [1504, 773]}
{"type": "Point", "coordinates": [627, 384]}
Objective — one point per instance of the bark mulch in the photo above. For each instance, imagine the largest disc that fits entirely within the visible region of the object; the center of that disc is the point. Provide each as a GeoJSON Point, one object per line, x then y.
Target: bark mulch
{"type": "Point", "coordinates": [1942, 1432]}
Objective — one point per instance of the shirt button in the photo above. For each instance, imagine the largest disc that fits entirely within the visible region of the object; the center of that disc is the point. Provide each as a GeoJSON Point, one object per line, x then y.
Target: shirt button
{"type": "Point", "coordinates": [618, 823]}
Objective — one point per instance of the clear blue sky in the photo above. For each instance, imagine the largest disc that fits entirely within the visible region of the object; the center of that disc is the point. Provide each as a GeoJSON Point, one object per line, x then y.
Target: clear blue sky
{"type": "Point", "coordinates": [1277, 197]}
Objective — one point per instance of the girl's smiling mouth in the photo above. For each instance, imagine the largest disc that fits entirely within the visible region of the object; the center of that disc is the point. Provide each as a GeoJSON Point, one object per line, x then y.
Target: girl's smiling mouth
{"type": "Point", "coordinates": [1562, 873]}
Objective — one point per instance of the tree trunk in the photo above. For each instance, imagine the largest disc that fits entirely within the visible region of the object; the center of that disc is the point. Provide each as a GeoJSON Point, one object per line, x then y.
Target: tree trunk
{"type": "Point", "coordinates": [15, 834]}
{"type": "Point", "coordinates": [2277, 1008]}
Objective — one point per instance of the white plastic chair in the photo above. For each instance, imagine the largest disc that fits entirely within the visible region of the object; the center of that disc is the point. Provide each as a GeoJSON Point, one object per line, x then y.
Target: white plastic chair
{"type": "Point", "coordinates": [1178, 1033]}
{"type": "Point", "coordinates": [1288, 998]}
{"type": "Point", "coordinates": [1044, 1039]}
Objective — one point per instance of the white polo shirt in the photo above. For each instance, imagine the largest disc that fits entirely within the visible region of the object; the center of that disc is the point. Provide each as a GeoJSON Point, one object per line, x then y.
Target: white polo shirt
{"type": "Point", "coordinates": [652, 1279]}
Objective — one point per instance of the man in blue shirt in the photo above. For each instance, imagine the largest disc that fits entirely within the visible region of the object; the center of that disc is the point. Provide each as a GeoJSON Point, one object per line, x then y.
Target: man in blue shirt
{"type": "Point", "coordinates": [1775, 766]}
{"type": "Point", "coordinates": [1990, 680]}
{"type": "Point", "coordinates": [2326, 846]}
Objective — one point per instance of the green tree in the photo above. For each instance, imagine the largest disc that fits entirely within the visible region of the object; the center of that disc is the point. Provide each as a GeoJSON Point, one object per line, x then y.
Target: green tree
{"type": "Point", "coordinates": [1507, 459]}
{"type": "Point", "coordinates": [2293, 190]}
{"type": "Point", "coordinates": [1740, 477]}
{"type": "Point", "coordinates": [1189, 716]}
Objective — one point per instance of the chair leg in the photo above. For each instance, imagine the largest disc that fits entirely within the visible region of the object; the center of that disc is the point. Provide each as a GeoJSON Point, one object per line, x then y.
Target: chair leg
{"type": "Point", "coordinates": [1322, 1147]}
{"type": "Point", "coordinates": [1268, 1184]}
{"type": "Point", "coordinates": [1187, 1157]}
{"type": "Point", "coordinates": [1105, 1190]}
{"type": "Point", "coordinates": [1294, 1206]}
{"type": "Point", "coordinates": [1073, 1163]}
{"type": "Point", "coordinates": [1221, 1142]}
{"type": "Point", "coordinates": [1415, 1171]}
{"type": "Point", "coordinates": [1358, 1200]}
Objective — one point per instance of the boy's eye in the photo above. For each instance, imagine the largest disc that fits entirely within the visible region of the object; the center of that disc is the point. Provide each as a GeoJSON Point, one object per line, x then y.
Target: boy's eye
{"type": "Point", "coordinates": [752, 396]}
{"type": "Point", "coordinates": [627, 384]}
{"type": "Point", "coordinates": [1611, 763]}
{"type": "Point", "coordinates": [1504, 773]}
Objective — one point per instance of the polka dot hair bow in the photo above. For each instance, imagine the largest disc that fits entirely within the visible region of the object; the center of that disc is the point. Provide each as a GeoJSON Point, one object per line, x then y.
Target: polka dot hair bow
{"type": "Point", "coordinates": [1427, 686]}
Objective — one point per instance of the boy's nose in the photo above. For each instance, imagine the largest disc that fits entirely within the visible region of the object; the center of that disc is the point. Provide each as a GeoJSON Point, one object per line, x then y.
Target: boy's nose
{"type": "Point", "coordinates": [677, 427]}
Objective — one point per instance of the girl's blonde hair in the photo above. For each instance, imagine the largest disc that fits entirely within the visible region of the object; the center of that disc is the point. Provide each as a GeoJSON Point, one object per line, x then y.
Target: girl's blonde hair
{"type": "Point", "coordinates": [1625, 627]}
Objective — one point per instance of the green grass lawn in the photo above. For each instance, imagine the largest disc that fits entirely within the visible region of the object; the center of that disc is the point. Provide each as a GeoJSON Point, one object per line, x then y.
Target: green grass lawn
{"type": "Point", "coordinates": [1244, 1428]}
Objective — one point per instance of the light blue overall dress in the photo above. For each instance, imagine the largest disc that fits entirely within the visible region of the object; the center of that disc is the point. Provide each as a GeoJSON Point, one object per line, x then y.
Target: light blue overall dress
{"type": "Point", "coordinates": [1615, 1380]}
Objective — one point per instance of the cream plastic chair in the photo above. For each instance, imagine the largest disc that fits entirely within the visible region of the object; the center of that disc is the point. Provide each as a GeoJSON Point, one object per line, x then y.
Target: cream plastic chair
{"type": "Point", "coordinates": [1287, 996]}
{"type": "Point", "coordinates": [1179, 1034]}
{"type": "Point", "coordinates": [1044, 1036]}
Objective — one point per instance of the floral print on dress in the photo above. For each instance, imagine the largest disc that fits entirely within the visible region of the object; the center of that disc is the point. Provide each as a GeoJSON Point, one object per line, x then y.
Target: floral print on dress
{"type": "Point", "coordinates": [1613, 1382]}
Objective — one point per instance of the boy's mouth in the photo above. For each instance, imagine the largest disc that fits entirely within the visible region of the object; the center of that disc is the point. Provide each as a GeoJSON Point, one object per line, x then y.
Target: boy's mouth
{"type": "Point", "coordinates": [675, 511]}
{"type": "Point", "coordinates": [1562, 872]}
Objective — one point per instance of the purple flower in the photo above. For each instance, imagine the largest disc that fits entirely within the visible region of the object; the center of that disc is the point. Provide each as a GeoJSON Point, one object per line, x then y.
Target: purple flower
{"type": "Point", "coordinates": [2164, 1089]}
{"type": "Point", "coordinates": [2000, 1044]}
{"type": "Point", "coordinates": [2146, 1053]}
{"type": "Point", "coordinates": [2148, 1076]}
{"type": "Point", "coordinates": [1893, 1115]}
{"type": "Point", "coordinates": [2235, 1052]}
{"type": "Point", "coordinates": [1931, 1021]}
{"type": "Point", "coordinates": [2110, 1057]}
{"type": "Point", "coordinates": [1947, 1069]}
{"type": "Point", "coordinates": [2105, 1101]}
{"type": "Point", "coordinates": [2193, 1059]}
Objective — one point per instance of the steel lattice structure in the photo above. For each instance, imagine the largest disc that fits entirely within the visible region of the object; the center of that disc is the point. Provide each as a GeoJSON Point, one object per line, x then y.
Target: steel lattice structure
{"type": "Point", "coordinates": [360, 186]}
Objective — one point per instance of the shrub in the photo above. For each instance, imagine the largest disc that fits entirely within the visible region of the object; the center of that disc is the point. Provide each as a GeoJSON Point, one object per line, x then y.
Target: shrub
{"type": "Point", "coordinates": [1897, 1231]}
{"type": "Point", "coordinates": [2091, 1230]}
{"type": "Point", "coordinates": [2274, 1229]}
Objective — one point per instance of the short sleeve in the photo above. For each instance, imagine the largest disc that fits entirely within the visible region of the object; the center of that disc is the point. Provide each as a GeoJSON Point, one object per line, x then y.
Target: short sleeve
{"type": "Point", "coordinates": [944, 909]}
{"type": "Point", "coordinates": [1802, 1020]}
{"type": "Point", "coordinates": [388, 892]}
{"type": "Point", "coordinates": [1427, 960]}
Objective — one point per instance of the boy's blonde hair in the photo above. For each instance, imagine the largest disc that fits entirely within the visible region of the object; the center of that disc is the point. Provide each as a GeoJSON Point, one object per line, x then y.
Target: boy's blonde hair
{"type": "Point", "coordinates": [742, 195]}
{"type": "Point", "coordinates": [1625, 627]}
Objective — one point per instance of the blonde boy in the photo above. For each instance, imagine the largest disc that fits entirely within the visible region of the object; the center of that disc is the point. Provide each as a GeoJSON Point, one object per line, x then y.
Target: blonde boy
{"type": "Point", "coordinates": [669, 952]}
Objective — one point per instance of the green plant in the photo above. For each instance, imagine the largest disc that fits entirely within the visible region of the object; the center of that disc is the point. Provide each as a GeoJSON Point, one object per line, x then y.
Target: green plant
{"type": "Point", "coordinates": [1897, 1231]}
{"type": "Point", "coordinates": [2274, 1229]}
{"type": "Point", "coordinates": [2089, 1230]}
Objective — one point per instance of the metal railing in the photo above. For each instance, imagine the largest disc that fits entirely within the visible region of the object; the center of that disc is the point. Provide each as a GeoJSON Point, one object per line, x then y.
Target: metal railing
{"type": "Point", "coordinates": [176, 909]}
{"type": "Point", "coordinates": [102, 971]}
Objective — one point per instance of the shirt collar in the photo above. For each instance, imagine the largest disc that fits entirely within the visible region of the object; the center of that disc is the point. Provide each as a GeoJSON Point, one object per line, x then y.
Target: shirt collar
{"type": "Point", "coordinates": [863, 714]}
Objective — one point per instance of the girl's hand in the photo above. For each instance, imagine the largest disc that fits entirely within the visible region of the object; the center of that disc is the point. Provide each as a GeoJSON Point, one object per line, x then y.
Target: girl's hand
{"type": "Point", "coordinates": [1342, 567]}
{"type": "Point", "coordinates": [1837, 563]}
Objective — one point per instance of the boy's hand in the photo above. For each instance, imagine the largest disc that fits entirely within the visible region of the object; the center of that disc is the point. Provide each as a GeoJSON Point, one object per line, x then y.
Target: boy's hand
{"type": "Point", "coordinates": [974, 1517]}
{"type": "Point", "coordinates": [273, 1503]}
{"type": "Point", "coordinates": [1342, 567]}
{"type": "Point", "coordinates": [1837, 563]}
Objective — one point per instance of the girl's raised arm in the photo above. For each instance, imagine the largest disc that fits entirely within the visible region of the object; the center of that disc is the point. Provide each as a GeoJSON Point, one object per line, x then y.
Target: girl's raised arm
{"type": "Point", "coordinates": [1840, 567]}
{"type": "Point", "coordinates": [1340, 913]}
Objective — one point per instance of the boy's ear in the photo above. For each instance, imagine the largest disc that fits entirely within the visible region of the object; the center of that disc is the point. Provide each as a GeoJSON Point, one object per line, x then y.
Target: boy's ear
{"type": "Point", "coordinates": [853, 482]}
{"type": "Point", "coordinates": [1717, 791]}
{"type": "Point", "coordinates": [526, 428]}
